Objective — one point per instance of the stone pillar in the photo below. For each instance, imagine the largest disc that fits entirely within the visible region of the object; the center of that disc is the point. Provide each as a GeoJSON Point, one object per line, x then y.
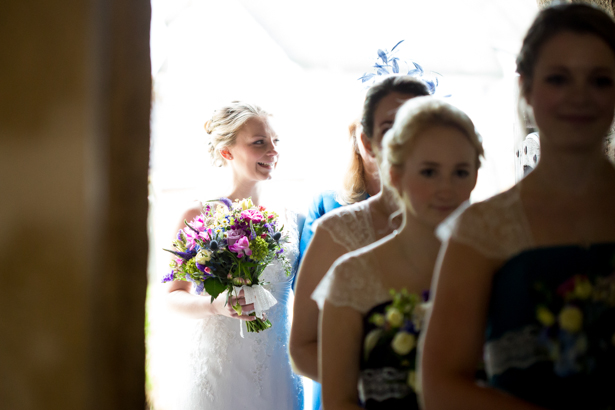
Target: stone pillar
{"type": "Point", "coordinates": [74, 142]}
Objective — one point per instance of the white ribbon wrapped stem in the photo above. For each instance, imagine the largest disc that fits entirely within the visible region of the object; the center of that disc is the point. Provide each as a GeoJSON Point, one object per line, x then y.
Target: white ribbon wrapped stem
{"type": "Point", "coordinates": [261, 297]}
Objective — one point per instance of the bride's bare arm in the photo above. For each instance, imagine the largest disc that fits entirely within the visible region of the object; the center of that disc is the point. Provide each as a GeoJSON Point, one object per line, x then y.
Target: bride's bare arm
{"type": "Point", "coordinates": [180, 300]}
{"type": "Point", "coordinates": [455, 335]}
{"type": "Point", "coordinates": [340, 355]}
{"type": "Point", "coordinates": [320, 255]}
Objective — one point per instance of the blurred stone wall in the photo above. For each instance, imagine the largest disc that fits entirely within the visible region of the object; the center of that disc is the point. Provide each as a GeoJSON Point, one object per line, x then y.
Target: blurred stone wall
{"type": "Point", "coordinates": [74, 143]}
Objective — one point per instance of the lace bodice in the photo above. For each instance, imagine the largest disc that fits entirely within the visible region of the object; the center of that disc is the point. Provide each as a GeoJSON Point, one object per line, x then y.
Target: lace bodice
{"type": "Point", "coordinates": [350, 226]}
{"type": "Point", "coordinates": [275, 273]}
{"type": "Point", "coordinates": [497, 227]}
{"type": "Point", "coordinates": [353, 281]}
{"type": "Point", "coordinates": [530, 352]}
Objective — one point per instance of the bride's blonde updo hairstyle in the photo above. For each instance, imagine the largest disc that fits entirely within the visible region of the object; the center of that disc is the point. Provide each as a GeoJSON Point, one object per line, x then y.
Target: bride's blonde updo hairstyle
{"type": "Point", "coordinates": [414, 117]}
{"type": "Point", "coordinates": [224, 125]}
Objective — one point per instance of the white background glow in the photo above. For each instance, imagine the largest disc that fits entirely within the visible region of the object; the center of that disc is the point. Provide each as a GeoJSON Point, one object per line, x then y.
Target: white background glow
{"type": "Point", "coordinates": [301, 61]}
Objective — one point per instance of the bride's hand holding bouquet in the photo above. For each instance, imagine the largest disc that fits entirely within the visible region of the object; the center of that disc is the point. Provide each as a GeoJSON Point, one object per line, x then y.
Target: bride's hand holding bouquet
{"type": "Point", "coordinates": [225, 250]}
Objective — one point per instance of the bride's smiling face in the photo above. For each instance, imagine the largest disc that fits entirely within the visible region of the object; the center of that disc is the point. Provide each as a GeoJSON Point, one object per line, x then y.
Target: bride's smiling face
{"type": "Point", "coordinates": [254, 154]}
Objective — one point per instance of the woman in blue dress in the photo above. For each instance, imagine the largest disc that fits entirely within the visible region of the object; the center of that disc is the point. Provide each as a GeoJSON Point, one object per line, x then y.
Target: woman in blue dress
{"type": "Point", "coordinates": [361, 180]}
{"type": "Point", "coordinates": [528, 276]}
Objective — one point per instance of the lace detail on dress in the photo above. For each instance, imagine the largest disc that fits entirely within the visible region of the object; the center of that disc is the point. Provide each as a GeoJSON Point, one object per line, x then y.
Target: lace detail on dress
{"type": "Point", "coordinates": [351, 282]}
{"type": "Point", "coordinates": [383, 384]}
{"type": "Point", "coordinates": [497, 227]}
{"type": "Point", "coordinates": [350, 226]}
{"type": "Point", "coordinates": [516, 349]}
{"type": "Point", "coordinates": [218, 357]}
{"type": "Point", "coordinates": [217, 352]}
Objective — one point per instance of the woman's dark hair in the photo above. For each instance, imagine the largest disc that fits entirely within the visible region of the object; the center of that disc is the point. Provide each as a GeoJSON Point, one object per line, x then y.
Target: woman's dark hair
{"type": "Point", "coordinates": [577, 18]}
{"type": "Point", "coordinates": [402, 84]}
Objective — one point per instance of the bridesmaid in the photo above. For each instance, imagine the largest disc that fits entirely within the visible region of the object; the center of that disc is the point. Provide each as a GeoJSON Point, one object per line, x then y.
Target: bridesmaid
{"type": "Point", "coordinates": [350, 227]}
{"type": "Point", "coordinates": [430, 161]}
{"type": "Point", "coordinates": [528, 276]}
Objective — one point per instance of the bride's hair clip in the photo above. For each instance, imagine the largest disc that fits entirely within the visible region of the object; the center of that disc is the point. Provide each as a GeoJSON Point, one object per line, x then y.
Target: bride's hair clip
{"type": "Point", "coordinates": [389, 64]}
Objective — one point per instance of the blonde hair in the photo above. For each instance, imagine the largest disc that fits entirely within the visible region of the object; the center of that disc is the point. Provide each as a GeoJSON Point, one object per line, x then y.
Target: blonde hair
{"type": "Point", "coordinates": [414, 117]}
{"type": "Point", "coordinates": [225, 124]}
{"type": "Point", "coordinates": [353, 185]}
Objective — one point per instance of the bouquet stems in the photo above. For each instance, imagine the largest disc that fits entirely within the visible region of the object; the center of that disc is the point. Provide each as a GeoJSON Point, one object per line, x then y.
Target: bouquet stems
{"type": "Point", "coordinates": [258, 324]}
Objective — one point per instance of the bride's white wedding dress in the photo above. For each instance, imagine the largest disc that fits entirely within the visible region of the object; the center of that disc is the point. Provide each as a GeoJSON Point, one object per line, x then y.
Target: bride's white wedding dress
{"type": "Point", "coordinates": [224, 371]}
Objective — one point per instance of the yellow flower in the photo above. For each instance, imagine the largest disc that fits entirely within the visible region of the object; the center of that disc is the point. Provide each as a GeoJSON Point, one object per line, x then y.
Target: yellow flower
{"type": "Point", "coordinates": [395, 317]}
{"type": "Point", "coordinates": [370, 341]}
{"type": "Point", "coordinates": [403, 343]}
{"type": "Point", "coordinates": [412, 379]}
{"type": "Point", "coordinates": [583, 288]}
{"type": "Point", "coordinates": [571, 319]}
{"type": "Point", "coordinates": [203, 256]}
{"type": "Point", "coordinates": [246, 204]}
{"type": "Point", "coordinates": [378, 319]}
{"type": "Point", "coordinates": [545, 316]}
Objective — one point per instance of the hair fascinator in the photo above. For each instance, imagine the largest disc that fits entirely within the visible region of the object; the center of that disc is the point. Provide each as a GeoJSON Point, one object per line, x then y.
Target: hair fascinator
{"type": "Point", "coordinates": [388, 64]}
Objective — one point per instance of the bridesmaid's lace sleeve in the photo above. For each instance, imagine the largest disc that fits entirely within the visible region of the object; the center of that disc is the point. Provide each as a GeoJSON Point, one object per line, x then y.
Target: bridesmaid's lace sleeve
{"type": "Point", "coordinates": [496, 228]}
{"type": "Point", "coordinates": [349, 226]}
{"type": "Point", "coordinates": [351, 282]}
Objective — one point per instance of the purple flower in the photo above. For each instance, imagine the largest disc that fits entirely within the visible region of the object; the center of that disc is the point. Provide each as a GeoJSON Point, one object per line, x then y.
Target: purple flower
{"type": "Point", "coordinates": [168, 277]}
{"type": "Point", "coordinates": [241, 246]}
{"type": "Point", "coordinates": [409, 327]}
{"type": "Point", "coordinates": [226, 202]}
{"type": "Point", "coordinates": [425, 295]}
{"type": "Point", "coordinates": [234, 235]}
{"type": "Point", "coordinates": [184, 255]}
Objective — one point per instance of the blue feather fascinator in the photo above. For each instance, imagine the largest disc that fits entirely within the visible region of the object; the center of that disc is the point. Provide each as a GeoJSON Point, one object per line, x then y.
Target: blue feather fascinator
{"type": "Point", "coordinates": [388, 64]}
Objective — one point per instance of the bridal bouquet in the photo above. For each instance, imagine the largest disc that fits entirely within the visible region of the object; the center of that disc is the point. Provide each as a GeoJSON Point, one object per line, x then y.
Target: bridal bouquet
{"type": "Point", "coordinates": [227, 248]}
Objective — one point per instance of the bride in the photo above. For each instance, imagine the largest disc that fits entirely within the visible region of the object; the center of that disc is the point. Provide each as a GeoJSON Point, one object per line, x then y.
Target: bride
{"type": "Point", "coordinates": [226, 370]}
